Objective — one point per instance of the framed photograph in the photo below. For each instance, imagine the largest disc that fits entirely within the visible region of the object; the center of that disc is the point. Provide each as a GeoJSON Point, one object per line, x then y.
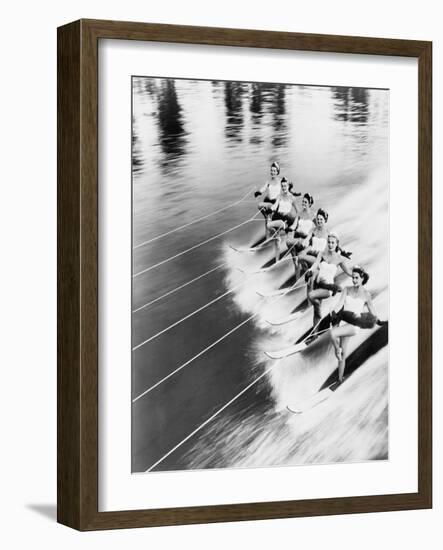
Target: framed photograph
{"type": "Point", "coordinates": [244, 275]}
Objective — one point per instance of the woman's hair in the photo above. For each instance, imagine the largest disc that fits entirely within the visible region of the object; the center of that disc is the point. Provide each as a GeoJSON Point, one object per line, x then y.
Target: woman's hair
{"type": "Point", "coordinates": [321, 212]}
{"type": "Point", "coordinates": [363, 274]}
{"type": "Point", "coordinates": [277, 166]}
{"type": "Point", "coordinates": [309, 198]}
{"type": "Point", "coordinates": [338, 248]}
{"type": "Point", "coordinates": [290, 187]}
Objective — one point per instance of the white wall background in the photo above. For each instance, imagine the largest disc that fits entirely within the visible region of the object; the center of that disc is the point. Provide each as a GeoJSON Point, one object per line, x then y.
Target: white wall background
{"type": "Point", "coordinates": [28, 271]}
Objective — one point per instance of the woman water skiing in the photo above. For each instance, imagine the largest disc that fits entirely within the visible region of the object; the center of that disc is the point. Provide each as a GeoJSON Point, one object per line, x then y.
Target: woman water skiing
{"type": "Point", "coordinates": [324, 271]}
{"type": "Point", "coordinates": [284, 213]}
{"type": "Point", "coordinates": [270, 191]}
{"type": "Point", "coordinates": [352, 302]}
{"type": "Point", "coordinates": [300, 229]}
{"type": "Point", "coordinates": [314, 243]}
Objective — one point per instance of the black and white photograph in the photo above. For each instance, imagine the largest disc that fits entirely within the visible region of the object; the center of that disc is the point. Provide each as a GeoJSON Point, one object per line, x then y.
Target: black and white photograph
{"type": "Point", "coordinates": [260, 269]}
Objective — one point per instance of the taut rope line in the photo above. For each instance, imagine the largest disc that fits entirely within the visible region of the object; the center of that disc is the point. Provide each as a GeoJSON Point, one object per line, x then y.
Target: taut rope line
{"type": "Point", "coordinates": [193, 221]}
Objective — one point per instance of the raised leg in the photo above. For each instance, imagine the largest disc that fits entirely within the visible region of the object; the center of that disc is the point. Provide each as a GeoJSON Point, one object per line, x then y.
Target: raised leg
{"type": "Point", "coordinates": [306, 256]}
{"type": "Point", "coordinates": [315, 297]}
{"type": "Point", "coordinates": [301, 258]}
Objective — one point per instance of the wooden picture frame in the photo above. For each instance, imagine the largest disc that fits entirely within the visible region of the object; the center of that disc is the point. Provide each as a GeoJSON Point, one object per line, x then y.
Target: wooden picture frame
{"type": "Point", "coordinates": [78, 274]}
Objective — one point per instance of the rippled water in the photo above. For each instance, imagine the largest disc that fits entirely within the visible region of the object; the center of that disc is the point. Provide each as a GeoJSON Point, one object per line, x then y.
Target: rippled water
{"type": "Point", "coordinates": [199, 146]}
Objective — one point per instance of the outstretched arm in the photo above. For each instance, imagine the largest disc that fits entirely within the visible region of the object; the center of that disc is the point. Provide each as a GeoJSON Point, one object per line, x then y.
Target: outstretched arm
{"type": "Point", "coordinates": [346, 267]}
{"type": "Point", "coordinates": [261, 190]}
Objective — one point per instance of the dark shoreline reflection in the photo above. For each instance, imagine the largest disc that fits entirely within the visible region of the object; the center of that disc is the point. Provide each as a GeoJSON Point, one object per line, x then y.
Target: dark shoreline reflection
{"type": "Point", "coordinates": [148, 85]}
{"type": "Point", "coordinates": [266, 98]}
{"type": "Point", "coordinates": [256, 102]}
{"type": "Point", "coordinates": [137, 154]}
{"type": "Point", "coordinates": [256, 110]}
{"type": "Point", "coordinates": [351, 104]}
{"type": "Point", "coordinates": [279, 138]}
{"type": "Point", "coordinates": [234, 92]}
{"type": "Point", "coordinates": [172, 134]}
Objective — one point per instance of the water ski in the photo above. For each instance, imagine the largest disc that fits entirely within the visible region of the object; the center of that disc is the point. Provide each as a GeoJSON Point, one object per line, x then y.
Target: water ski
{"type": "Point", "coordinates": [304, 341]}
{"type": "Point", "coordinates": [285, 319]}
{"type": "Point", "coordinates": [281, 291]}
{"type": "Point", "coordinates": [254, 248]}
{"type": "Point", "coordinates": [286, 352]}
{"type": "Point", "coordinates": [306, 404]}
{"type": "Point", "coordinates": [267, 267]}
{"type": "Point", "coordinates": [293, 283]}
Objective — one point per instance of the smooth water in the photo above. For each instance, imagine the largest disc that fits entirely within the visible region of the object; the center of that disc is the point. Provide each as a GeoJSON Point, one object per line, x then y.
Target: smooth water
{"type": "Point", "coordinates": [199, 146]}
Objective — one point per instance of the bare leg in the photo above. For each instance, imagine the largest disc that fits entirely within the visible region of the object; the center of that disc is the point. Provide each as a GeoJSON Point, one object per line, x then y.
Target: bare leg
{"type": "Point", "coordinates": [300, 266]}
{"type": "Point", "coordinates": [306, 256]}
{"type": "Point", "coordinates": [335, 342]}
{"type": "Point", "coordinates": [291, 243]}
{"type": "Point", "coordinates": [341, 363]}
{"type": "Point", "coordinates": [277, 247]}
{"type": "Point", "coordinates": [297, 268]}
{"type": "Point", "coordinates": [316, 297]}
{"type": "Point", "coordinates": [340, 340]}
{"type": "Point", "coordinates": [265, 208]}
{"type": "Point", "coordinates": [274, 229]}
{"type": "Point", "coordinates": [276, 225]}
{"type": "Point", "coordinates": [303, 259]}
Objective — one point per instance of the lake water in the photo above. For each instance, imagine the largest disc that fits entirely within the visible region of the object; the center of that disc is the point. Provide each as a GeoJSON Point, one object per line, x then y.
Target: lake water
{"type": "Point", "coordinates": [198, 147]}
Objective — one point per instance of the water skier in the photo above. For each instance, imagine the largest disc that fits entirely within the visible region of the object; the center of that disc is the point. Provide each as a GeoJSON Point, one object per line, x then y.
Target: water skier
{"type": "Point", "coordinates": [351, 304]}
{"type": "Point", "coordinates": [314, 243]}
{"type": "Point", "coordinates": [270, 191]}
{"type": "Point", "coordinates": [284, 214]}
{"type": "Point", "coordinates": [300, 229]}
{"type": "Point", "coordinates": [323, 273]}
